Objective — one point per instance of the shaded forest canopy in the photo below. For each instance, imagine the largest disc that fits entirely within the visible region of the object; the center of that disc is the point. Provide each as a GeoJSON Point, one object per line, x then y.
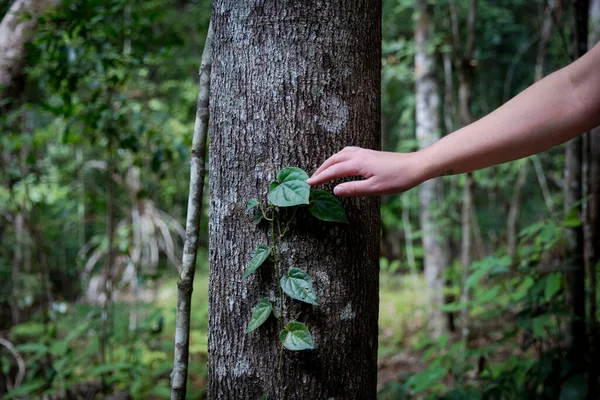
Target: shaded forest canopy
{"type": "Point", "coordinates": [96, 132]}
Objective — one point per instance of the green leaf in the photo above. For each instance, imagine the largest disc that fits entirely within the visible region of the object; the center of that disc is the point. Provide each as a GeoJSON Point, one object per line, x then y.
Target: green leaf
{"type": "Point", "coordinates": [572, 220]}
{"type": "Point", "coordinates": [258, 216]}
{"type": "Point", "coordinates": [553, 284]}
{"type": "Point", "coordinates": [298, 285]}
{"type": "Point", "coordinates": [26, 389]}
{"type": "Point", "coordinates": [252, 203]}
{"type": "Point", "coordinates": [290, 189]}
{"type": "Point", "coordinates": [260, 313]}
{"type": "Point", "coordinates": [110, 367]}
{"type": "Point", "coordinates": [260, 255]}
{"type": "Point", "coordinates": [296, 336]}
{"type": "Point", "coordinates": [327, 207]}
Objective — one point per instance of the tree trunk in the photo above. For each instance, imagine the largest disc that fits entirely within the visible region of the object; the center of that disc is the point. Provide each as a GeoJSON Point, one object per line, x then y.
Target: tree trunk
{"type": "Point", "coordinates": [16, 29]}
{"type": "Point", "coordinates": [437, 254]}
{"type": "Point", "coordinates": [292, 83]}
{"type": "Point", "coordinates": [593, 222]}
{"type": "Point", "coordinates": [540, 68]}
{"type": "Point", "coordinates": [575, 274]}
{"type": "Point", "coordinates": [464, 67]}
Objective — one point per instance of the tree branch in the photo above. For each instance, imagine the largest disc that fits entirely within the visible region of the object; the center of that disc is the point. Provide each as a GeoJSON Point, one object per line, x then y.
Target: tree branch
{"type": "Point", "coordinates": [190, 248]}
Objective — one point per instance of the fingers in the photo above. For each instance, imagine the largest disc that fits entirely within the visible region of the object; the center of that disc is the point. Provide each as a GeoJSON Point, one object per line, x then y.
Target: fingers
{"type": "Point", "coordinates": [343, 155]}
{"type": "Point", "coordinates": [365, 187]}
{"type": "Point", "coordinates": [336, 171]}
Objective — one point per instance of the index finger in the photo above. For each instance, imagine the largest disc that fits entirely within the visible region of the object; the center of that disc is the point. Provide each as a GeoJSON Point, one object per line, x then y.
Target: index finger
{"type": "Point", "coordinates": [335, 171]}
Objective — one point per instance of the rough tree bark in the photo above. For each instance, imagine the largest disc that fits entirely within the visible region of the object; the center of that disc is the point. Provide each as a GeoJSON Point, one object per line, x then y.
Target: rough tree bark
{"type": "Point", "coordinates": [292, 82]}
{"type": "Point", "coordinates": [192, 230]}
{"type": "Point", "coordinates": [16, 29]}
{"type": "Point", "coordinates": [575, 274]}
{"type": "Point", "coordinates": [428, 127]}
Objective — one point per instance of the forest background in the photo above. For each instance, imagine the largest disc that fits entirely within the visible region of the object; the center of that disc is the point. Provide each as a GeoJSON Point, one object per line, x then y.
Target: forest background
{"type": "Point", "coordinates": [94, 180]}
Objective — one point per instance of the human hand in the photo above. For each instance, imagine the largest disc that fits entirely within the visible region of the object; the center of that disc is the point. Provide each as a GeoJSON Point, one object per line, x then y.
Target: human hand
{"type": "Point", "coordinates": [384, 172]}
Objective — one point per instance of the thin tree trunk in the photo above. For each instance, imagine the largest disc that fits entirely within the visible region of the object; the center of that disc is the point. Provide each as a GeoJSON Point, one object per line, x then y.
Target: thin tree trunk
{"type": "Point", "coordinates": [16, 29]}
{"type": "Point", "coordinates": [515, 209]}
{"type": "Point", "coordinates": [541, 176]}
{"type": "Point", "coordinates": [17, 264]}
{"type": "Point", "coordinates": [464, 65]}
{"type": "Point", "coordinates": [428, 127]}
{"type": "Point", "coordinates": [192, 230]}
{"type": "Point", "coordinates": [466, 250]}
{"type": "Point", "coordinates": [593, 222]}
{"type": "Point", "coordinates": [540, 67]}
{"type": "Point", "coordinates": [297, 81]}
{"type": "Point", "coordinates": [575, 274]}
{"type": "Point", "coordinates": [410, 253]}
{"type": "Point", "coordinates": [449, 108]}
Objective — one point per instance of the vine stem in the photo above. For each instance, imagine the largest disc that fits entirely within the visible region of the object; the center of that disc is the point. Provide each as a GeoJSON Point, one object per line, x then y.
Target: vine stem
{"type": "Point", "coordinates": [276, 255]}
{"type": "Point", "coordinates": [287, 226]}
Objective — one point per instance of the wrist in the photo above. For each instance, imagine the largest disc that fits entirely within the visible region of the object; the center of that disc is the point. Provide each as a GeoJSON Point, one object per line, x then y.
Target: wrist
{"type": "Point", "coordinates": [427, 166]}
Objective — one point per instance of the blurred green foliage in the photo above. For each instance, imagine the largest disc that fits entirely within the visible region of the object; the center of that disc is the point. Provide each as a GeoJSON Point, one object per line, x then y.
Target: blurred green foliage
{"type": "Point", "coordinates": [109, 94]}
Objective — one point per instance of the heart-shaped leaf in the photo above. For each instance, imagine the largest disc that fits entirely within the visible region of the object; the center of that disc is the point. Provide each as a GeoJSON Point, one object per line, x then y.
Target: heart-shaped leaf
{"type": "Point", "coordinates": [260, 313]}
{"type": "Point", "coordinates": [252, 203]}
{"type": "Point", "coordinates": [258, 216]}
{"type": "Point", "coordinates": [296, 336]}
{"type": "Point", "coordinates": [326, 207]}
{"type": "Point", "coordinates": [260, 255]}
{"type": "Point", "coordinates": [298, 285]}
{"type": "Point", "coordinates": [290, 188]}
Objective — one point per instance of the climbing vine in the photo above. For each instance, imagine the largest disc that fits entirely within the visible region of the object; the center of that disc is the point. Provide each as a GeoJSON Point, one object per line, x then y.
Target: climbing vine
{"type": "Point", "coordinates": [288, 191]}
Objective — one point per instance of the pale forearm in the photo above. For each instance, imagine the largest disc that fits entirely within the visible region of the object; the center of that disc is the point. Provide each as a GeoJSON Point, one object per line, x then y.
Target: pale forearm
{"type": "Point", "coordinates": [554, 110]}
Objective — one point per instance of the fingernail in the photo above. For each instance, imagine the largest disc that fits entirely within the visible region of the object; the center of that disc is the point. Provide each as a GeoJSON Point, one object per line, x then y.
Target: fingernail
{"type": "Point", "coordinates": [338, 190]}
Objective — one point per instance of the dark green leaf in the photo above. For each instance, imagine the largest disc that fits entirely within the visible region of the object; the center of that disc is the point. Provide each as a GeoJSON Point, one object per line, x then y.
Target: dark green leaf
{"type": "Point", "coordinates": [298, 285]}
{"type": "Point", "coordinates": [258, 216]}
{"type": "Point", "coordinates": [296, 336]}
{"type": "Point", "coordinates": [260, 255]}
{"type": "Point", "coordinates": [290, 189]}
{"type": "Point", "coordinates": [553, 284]}
{"type": "Point", "coordinates": [110, 367]}
{"type": "Point", "coordinates": [252, 203]}
{"type": "Point", "coordinates": [327, 207]}
{"type": "Point", "coordinates": [572, 220]}
{"type": "Point", "coordinates": [260, 313]}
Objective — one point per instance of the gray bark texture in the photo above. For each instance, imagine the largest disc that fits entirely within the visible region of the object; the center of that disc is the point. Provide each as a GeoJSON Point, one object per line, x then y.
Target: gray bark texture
{"type": "Point", "coordinates": [16, 29]}
{"type": "Point", "coordinates": [428, 127]}
{"type": "Point", "coordinates": [292, 83]}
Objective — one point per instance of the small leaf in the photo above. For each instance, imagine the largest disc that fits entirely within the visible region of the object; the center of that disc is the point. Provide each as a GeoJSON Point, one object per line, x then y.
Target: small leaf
{"type": "Point", "coordinates": [572, 220]}
{"type": "Point", "coordinates": [290, 189]}
{"type": "Point", "coordinates": [553, 284]}
{"type": "Point", "coordinates": [258, 216]}
{"type": "Point", "coordinates": [327, 207]}
{"type": "Point", "coordinates": [260, 255]}
{"type": "Point", "coordinates": [252, 203]}
{"type": "Point", "coordinates": [260, 313]}
{"type": "Point", "coordinates": [298, 285]}
{"type": "Point", "coordinates": [296, 336]}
